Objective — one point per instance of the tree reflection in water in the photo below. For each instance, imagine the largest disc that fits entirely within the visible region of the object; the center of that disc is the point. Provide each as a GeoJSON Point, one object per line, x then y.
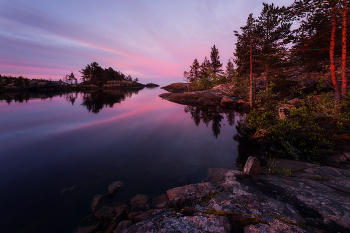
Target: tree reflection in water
{"type": "Point", "coordinates": [95, 101]}
{"type": "Point", "coordinates": [210, 114]}
{"type": "Point", "coordinates": [250, 146]}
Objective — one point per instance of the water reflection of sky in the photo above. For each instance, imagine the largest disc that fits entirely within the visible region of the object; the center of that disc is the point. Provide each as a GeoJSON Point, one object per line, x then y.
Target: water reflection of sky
{"type": "Point", "coordinates": [144, 141]}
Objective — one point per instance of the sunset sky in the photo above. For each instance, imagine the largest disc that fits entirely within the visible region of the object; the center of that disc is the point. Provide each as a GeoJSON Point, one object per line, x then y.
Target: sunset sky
{"type": "Point", "coordinates": [153, 40]}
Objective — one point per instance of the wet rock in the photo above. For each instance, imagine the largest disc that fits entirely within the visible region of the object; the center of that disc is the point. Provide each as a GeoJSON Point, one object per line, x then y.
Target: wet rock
{"type": "Point", "coordinates": [184, 181]}
{"type": "Point", "coordinates": [252, 166]}
{"type": "Point", "coordinates": [95, 201]}
{"type": "Point", "coordinates": [114, 187]}
{"type": "Point", "coordinates": [226, 102]}
{"type": "Point", "coordinates": [140, 203]}
{"type": "Point", "coordinates": [160, 202]}
{"type": "Point", "coordinates": [88, 229]}
{"type": "Point", "coordinates": [190, 192]}
{"type": "Point", "coordinates": [105, 212]}
{"type": "Point", "coordinates": [122, 225]}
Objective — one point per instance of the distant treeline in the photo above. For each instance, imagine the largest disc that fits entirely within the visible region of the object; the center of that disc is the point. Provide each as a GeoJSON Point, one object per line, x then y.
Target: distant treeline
{"type": "Point", "coordinates": [93, 73]}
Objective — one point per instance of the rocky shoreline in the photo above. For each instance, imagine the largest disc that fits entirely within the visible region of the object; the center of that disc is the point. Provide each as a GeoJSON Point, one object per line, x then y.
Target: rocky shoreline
{"type": "Point", "coordinates": [286, 196]}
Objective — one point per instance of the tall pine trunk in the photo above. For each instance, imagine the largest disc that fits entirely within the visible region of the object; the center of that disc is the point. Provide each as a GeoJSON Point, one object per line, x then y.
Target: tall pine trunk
{"type": "Point", "coordinates": [331, 55]}
{"type": "Point", "coordinates": [343, 57]}
{"type": "Point", "coordinates": [251, 96]}
{"type": "Point", "coordinates": [267, 76]}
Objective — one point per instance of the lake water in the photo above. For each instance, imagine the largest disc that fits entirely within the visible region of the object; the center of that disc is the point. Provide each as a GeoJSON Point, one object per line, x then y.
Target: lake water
{"type": "Point", "coordinates": [88, 140]}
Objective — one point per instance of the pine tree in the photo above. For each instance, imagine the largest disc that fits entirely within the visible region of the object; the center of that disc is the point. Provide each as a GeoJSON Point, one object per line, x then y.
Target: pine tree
{"type": "Point", "coordinates": [328, 11]}
{"type": "Point", "coordinates": [230, 70]}
{"type": "Point", "coordinates": [215, 60]}
{"type": "Point", "coordinates": [273, 33]}
{"type": "Point", "coordinates": [195, 71]}
{"type": "Point", "coordinates": [245, 49]}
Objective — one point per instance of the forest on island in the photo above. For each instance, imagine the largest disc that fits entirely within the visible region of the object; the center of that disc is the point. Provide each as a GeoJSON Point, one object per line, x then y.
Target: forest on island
{"type": "Point", "coordinates": [290, 67]}
{"type": "Point", "coordinates": [309, 33]}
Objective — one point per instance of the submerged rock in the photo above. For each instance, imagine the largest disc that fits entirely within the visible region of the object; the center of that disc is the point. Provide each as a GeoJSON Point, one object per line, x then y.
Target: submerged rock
{"type": "Point", "coordinates": [114, 187]}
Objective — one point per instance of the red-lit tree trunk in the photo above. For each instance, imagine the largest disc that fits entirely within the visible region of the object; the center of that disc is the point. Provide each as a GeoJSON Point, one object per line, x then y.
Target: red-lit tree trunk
{"type": "Point", "coordinates": [251, 96]}
{"type": "Point", "coordinates": [331, 55]}
{"type": "Point", "coordinates": [343, 57]}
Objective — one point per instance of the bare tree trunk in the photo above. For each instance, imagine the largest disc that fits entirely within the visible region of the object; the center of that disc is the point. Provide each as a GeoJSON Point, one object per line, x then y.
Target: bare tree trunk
{"type": "Point", "coordinates": [251, 96]}
{"type": "Point", "coordinates": [343, 57]}
{"type": "Point", "coordinates": [331, 55]}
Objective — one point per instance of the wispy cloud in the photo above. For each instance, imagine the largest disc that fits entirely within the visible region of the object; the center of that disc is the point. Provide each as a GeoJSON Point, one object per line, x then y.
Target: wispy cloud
{"type": "Point", "coordinates": [149, 39]}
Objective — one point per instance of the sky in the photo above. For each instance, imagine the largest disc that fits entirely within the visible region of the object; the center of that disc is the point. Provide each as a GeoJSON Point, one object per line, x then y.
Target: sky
{"type": "Point", "coordinates": [152, 40]}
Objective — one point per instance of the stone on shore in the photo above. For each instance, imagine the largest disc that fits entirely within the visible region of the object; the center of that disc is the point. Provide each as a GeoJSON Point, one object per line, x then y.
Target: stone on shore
{"type": "Point", "coordinates": [252, 166]}
{"type": "Point", "coordinates": [114, 187]}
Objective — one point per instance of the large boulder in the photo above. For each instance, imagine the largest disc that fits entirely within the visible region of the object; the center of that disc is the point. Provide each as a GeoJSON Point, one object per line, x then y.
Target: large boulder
{"type": "Point", "coordinates": [252, 166]}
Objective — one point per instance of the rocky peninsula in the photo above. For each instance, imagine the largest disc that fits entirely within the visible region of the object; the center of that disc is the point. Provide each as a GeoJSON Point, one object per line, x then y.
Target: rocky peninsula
{"type": "Point", "coordinates": [285, 196]}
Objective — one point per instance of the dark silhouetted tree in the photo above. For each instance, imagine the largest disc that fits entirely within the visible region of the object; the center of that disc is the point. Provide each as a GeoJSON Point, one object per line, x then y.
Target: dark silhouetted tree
{"type": "Point", "coordinates": [215, 60]}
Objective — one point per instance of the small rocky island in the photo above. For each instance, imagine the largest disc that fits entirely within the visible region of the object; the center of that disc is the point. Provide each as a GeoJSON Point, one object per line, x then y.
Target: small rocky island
{"type": "Point", "coordinates": [285, 196]}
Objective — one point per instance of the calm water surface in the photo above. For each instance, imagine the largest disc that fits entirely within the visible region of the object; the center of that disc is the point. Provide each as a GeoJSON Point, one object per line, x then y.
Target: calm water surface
{"type": "Point", "coordinates": [88, 140]}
